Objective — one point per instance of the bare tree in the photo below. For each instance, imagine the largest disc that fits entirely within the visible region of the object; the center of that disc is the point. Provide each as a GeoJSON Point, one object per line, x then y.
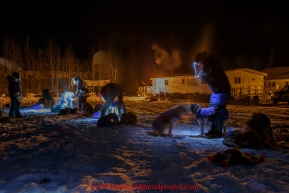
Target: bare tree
{"type": "Point", "coordinates": [51, 54]}
{"type": "Point", "coordinates": [113, 61]}
{"type": "Point", "coordinates": [70, 63]}
{"type": "Point", "coordinates": [12, 51]}
{"type": "Point", "coordinates": [28, 52]}
{"type": "Point", "coordinates": [58, 68]}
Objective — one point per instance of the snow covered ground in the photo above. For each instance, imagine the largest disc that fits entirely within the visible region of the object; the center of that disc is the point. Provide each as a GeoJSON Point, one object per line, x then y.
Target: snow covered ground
{"type": "Point", "coordinates": [46, 152]}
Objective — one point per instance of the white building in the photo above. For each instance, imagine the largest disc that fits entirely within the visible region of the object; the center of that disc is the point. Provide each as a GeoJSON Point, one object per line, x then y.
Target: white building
{"type": "Point", "coordinates": [243, 81]}
{"type": "Point", "coordinates": [179, 84]}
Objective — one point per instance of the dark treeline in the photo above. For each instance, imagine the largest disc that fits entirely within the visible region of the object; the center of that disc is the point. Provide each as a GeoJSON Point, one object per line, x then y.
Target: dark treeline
{"type": "Point", "coordinates": [52, 62]}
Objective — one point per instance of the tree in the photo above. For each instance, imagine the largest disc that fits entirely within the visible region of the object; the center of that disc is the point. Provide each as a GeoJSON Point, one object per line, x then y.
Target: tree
{"type": "Point", "coordinates": [51, 55]}
{"type": "Point", "coordinates": [70, 62]}
{"type": "Point", "coordinates": [113, 61]}
{"type": "Point", "coordinates": [12, 51]}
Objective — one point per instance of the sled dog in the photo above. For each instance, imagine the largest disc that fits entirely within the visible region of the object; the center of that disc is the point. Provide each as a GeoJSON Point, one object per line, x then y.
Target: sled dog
{"type": "Point", "coordinates": [203, 121]}
{"type": "Point", "coordinates": [168, 119]}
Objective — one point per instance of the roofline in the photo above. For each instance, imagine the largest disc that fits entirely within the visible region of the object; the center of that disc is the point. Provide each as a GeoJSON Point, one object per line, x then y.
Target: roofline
{"type": "Point", "coordinates": [248, 70]}
{"type": "Point", "coordinates": [175, 76]}
{"type": "Point", "coordinates": [227, 71]}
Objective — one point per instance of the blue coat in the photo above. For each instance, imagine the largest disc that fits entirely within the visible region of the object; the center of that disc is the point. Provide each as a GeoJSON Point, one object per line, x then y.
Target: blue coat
{"type": "Point", "coordinates": [217, 106]}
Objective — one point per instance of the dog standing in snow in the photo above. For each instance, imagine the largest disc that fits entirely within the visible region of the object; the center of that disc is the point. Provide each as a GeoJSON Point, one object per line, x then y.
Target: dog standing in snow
{"type": "Point", "coordinates": [202, 120]}
{"type": "Point", "coordinates": [168, 119]}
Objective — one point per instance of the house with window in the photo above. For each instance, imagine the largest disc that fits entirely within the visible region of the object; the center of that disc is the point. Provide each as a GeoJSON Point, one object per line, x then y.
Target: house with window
{"type": "Point", "coordinates": [179, 84]}
{"type": "Point", "coordinates": [277, 78]}
{"type": "Point", "coordinates": [243, 81]}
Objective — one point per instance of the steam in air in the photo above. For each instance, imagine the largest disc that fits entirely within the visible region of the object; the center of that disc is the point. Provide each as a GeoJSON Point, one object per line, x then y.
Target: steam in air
{"type": "Point", "coordinates": [205, 42]}
{"type": "Point", "coordinates": [169, 60]}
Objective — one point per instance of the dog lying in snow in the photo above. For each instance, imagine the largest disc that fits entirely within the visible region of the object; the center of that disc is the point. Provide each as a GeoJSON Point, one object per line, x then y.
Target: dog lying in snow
{"type": "Point", "coordinates": [168, 119]}
{"type": "Point", "coordinates": [204, 120]}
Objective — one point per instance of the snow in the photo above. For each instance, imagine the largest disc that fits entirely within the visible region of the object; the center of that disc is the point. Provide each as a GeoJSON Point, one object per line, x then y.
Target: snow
{"type": "Point", "coordinates": [73, 155]}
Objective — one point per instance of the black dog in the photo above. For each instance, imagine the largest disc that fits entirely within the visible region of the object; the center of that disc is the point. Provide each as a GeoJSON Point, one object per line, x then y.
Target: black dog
{"type": "Point", "coordinates": [107, 120]}
{"type": "Point", "coordinates": [67, 111]}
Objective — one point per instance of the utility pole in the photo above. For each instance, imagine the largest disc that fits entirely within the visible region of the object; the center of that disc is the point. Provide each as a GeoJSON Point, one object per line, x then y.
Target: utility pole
{"type": "Point", "coordinates": [100, 67]}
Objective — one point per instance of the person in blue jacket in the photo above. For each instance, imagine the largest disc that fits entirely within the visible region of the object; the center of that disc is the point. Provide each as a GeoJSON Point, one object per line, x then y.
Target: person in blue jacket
{"type": "Point", "coordinates": [207, 67]}
{"type": "Point", "coordinates": [15, 94]}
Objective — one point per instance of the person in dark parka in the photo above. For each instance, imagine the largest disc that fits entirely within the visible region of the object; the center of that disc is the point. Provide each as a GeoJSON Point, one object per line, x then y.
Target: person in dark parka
{"type": "Point", "coordinates": [82, 91]}
{"type": "Point", "coordinates": [207, 68]}
{"type": "Point", "coordinates": [15, 94]}
{"type": "Point", "coordinates": [108, 94]}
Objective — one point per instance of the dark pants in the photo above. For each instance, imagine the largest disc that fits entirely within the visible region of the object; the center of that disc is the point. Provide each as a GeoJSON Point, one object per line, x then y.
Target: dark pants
{"type": "Point", "coordinates": [81, 101]}
{"type": "Point", "coordinates": [14, 109]}
{"type": "Point", "coordinates": [217, 123]}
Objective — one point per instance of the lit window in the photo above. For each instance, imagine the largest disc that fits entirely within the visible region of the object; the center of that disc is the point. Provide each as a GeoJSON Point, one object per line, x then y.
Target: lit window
{"type": "Point", "coordinates": [237, 80]}
{"type": "Point", "coordinates": [166, 82]}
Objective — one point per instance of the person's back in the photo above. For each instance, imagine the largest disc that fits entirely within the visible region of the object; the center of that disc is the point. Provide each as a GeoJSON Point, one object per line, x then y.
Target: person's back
{"type": "Point", "coordinates": [108, 94]}
{"type": "Point", "coordinates": [15, 93]}
{"type": "Point", "coordinates": [81, 91]}
{"type": "Point", "coordinates": [112, 90]}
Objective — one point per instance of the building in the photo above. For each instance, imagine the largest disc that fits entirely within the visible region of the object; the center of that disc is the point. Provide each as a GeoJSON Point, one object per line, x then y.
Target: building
{"type": "Point", "coordinates": [277, 78]}
{"type": "Point", "coordinates": [179, 84]}
{"type": "Point", "coordinates": [243, 81]}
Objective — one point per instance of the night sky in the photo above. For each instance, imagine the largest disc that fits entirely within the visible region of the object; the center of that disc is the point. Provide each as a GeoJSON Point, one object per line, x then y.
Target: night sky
{"type": "Point", "coordinates": [228, 28]}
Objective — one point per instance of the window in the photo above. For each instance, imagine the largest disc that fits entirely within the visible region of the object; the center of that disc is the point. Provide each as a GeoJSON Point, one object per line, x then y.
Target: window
{"type": "Point", "coordinates": [286, 83]}
{"type": "Point", "coordinates": [183, 81]}
{"type": "Point", "coordinates": [237, 80]}
{"type": "Point", "coordinates": [273, 84]}
{"type": "Point", "coordinates": [253, 78]}
{"type": "Point", "coordinates": [166, 82]}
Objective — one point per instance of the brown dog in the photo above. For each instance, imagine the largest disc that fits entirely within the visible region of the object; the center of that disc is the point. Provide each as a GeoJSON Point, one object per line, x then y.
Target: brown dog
{"type": "Point", "coordinates": [168, 119]}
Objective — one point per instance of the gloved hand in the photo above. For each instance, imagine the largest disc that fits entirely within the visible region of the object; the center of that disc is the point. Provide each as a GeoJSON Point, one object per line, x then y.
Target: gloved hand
{"type": "Point", "coordinates": [18, 96]}
{"type": "Point", "coordinates": [195, 108]}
